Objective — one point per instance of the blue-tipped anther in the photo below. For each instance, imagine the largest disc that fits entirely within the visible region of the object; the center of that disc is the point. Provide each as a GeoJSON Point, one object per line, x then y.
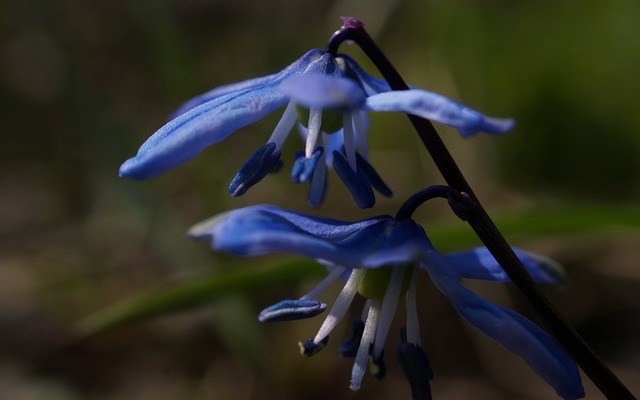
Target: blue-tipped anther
{"type": "Point", "coordinates": [349, 348]}
{"type": "Point", "coordinates": [303, 167]}
{"type": "Point", "coordinates": [290, 310]}
{"type": "Point", "coordinates": [356, 182]}
{"type": "Point", "coordinates": [377, 367]}
{"type": "Point", "coordinates": [317, 191]}
{"type": "Point", "coordinates": [309, 348]}
{"type": "Point", "coordinates": [263, 161]}
{"type": "Point", "coordinates": [371, 174]}
{"type": "Point", "coordinates": [417, 369]}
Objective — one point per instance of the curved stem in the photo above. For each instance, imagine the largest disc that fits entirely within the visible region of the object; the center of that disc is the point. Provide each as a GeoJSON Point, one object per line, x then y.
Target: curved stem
{"type": "Point", "coordinates": [460, 202]}
{"type": "Point", "coordinates": [485, 228]}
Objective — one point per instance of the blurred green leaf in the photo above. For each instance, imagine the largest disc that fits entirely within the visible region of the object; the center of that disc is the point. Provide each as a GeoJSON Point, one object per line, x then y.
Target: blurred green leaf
{"type": "Point", "coordinates": [196, 290]}
{"type": "Point", "coordinates": [559, 220]}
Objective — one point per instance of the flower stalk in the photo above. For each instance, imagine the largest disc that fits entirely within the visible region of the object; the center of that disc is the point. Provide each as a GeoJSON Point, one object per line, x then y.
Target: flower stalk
{"type": "Point", "coordinates": [606, 381]}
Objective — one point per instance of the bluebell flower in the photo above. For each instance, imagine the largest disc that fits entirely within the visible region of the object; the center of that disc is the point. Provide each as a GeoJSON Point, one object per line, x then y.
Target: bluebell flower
{"type": "Point", "coordinates": [328, 98]}
{"type": "Point", "coordinates": [379, 258]}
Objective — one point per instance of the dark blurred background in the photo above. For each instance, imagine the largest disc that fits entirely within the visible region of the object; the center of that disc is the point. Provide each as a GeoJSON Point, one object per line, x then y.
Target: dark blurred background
{"type": "Point", "coordinates": [84, 83]}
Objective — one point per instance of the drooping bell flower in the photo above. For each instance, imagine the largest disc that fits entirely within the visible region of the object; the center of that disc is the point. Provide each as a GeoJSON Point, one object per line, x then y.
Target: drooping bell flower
{"type": "Point", "coordinates": [328, 97]}
{"type": "Point", "coordinates": [380, 259]}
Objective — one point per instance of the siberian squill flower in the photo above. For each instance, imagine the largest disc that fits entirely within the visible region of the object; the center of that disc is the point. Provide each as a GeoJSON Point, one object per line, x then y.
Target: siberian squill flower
{"type": "Point", "coordinates": [380, 259]}
{"type": "Point", "coordinates": [328, 97]}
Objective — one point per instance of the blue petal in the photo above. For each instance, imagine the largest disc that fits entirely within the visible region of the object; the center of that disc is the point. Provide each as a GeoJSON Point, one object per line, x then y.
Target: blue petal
{"type": "Point", "coordinates": [406, 242]}
{"type": "Point", "coordinates": [519, 335]}
{"type": "Point", "coordinates": [371, 84]}
{"type": "Point", "coordinates": [290, 310]}
{"type": "Point", "coordinates": [184, 137]}
{"type": "Point", "coordinates": [263, 161]}
{"type": "Point", "coordinates": [437, 108]}
{"type": "Point", "coordinates": [480, 264]}
{"type": "Point", "coordinates": [296, 67]}
{"type": "Point", "coordinates": [323, 91]}
{"type": "Point", "coordinates": [356, 182]}
{"type": "Point", "coordinates": [267, 229]}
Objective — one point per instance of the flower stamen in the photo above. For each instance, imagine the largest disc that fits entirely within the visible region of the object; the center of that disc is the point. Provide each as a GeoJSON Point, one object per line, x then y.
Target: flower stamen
{"type": "Point", "coordinates": [284, 126]}
{"type": "Point", "coordinates": [328, 280]}
{"type": "Point", "coordinates": [341, 305]}
{"type": "Point", "coordinates": [349, 139]}
{"type": "Point", "coordinates": [368, 335]}
{"type": "Point", "coordinates": [360, 130]}
{"type": "Point", "coordinates": [319, 178]}
{"type": "Point", "coordinates": [313, 131]}
{"type": "Point", "coordinates": [413, 328]}
{"type": "Point", "coordinates": [388, 310]}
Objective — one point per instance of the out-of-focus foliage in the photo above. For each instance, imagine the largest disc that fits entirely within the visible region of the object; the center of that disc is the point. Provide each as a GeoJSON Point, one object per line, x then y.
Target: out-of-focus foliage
{"type": "Point", "coordinates": [83, 83]}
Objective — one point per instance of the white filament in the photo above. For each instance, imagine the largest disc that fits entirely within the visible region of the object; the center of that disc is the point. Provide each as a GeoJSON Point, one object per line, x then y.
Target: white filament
{"type": "Point", "coordinates": [360, 121]}
{"type": "Point", "coordinates": [313, 131]}
{"type": "Point", "coordinates": [341, 305]}
{"type": "Point", "coordinates": [389, 306]}
{"type": "Point", "coordinates": [360, 363]}
{"type": "Point", "coordinates": [318, 180]}
{"type": "Point", "coordinates": [413, 327]}
{"type": "Point", "coordinates": [320, 287]}
{"type": "Point", "coordinates": [284, 126]}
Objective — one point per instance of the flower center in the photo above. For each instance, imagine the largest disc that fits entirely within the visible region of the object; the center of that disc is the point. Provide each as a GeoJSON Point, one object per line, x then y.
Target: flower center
{"type": "Point", "coordinates": [331, 119]}
{"type": "Point", "coordinates": [375, 282]}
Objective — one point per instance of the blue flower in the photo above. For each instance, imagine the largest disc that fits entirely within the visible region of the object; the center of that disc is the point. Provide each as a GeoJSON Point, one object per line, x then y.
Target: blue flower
{"type": "Point", "coordinates": [336, 95]}
{"type": "Point", "coordinates": [380, 258]}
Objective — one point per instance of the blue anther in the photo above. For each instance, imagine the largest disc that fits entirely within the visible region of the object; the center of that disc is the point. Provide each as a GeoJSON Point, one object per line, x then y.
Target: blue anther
{"type": "Point", "coordinates": [375, 179]}
{"type": "Point", "coordinates": [349, 348]}
{"type": "Point", "coordinates": [356, 182]}
{"type": "Point", "coordinates": [309, 348]}
{"type": "Point", "coordinates": [290, 310]}
{"type": "Point", "coordinates": [303, 167]}
{"type": "Point", "coordinates": [263, 161]}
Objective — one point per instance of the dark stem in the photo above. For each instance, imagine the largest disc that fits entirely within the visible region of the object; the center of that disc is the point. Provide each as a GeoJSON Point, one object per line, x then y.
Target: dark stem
{"type": "Point", "coordinates": [460, 202]}
{"type": "Point", "coordinates": [484, 227]}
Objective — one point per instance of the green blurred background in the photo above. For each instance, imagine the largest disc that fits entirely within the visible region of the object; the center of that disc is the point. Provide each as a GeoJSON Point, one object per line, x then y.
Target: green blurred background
{"type": "Point", "coordinates": [84, 83]}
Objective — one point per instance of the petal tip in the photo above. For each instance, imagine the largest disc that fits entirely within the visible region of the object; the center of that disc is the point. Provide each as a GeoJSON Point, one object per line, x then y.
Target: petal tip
{"type": "Point", "coordinates": [130, 169]}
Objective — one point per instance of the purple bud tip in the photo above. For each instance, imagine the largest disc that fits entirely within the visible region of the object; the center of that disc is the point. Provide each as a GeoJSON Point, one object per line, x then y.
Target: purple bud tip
{"type": "Point", "coordinates": [351, 22]}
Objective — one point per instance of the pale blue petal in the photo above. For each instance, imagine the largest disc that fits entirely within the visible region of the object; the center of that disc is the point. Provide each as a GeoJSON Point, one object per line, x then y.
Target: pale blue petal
{"type": "Point", "coordinates": [519, 335]}
{"type": "Point", "coordinates": [369, 243]}
{"type": "Point", "coordinates": [480, 264]}
{"type": "Point", "coordinates": [437, 108]}
{"type": "Point", "coordinates": [296, 67]}
{"type": "Point", "coordinates": [184, 137]}
{"type": "Point", "coordinates": [267, 229]}
{"type": "Point", "coordinates": [370, 84]}
{"type": "Point", "coordinates": [317, 90]}
{"type": "Point", "coordinates": [406, 243]}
